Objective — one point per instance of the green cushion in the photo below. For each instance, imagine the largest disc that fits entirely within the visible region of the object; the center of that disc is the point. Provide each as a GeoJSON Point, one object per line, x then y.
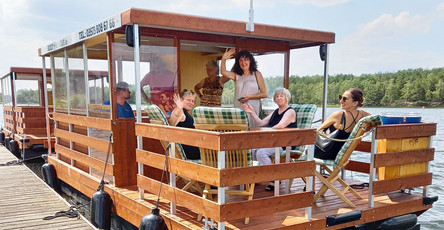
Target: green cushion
{"type": "Point", "coordinates": [219, 115]}
{"type": "Point", "coordinates": [373, 119]}
{"type": "Point", "coordinates": [154, 112]}
{"type": "Point", "coordinates": [222, 115]}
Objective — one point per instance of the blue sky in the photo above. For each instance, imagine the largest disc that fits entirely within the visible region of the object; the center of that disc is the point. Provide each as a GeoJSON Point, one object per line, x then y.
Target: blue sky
{"type": "Point", "coordinates": [371, 36]}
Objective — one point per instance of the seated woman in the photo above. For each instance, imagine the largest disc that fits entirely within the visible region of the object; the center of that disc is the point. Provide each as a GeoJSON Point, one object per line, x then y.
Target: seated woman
{"type": "Point", "coordinates": [181, 117]}
{"type": "Point", "coordinates": [343, 121]}
{"type": "Point", "coordinates": [282, 117]}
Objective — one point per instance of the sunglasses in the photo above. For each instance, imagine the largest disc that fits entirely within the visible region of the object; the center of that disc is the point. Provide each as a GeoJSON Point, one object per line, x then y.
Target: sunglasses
{"type": "Point", "coordinates": [342, 98]}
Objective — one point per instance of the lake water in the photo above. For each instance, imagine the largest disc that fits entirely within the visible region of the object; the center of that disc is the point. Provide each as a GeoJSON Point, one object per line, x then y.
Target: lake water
{"type": "Point", "coordinates": [429, 220]}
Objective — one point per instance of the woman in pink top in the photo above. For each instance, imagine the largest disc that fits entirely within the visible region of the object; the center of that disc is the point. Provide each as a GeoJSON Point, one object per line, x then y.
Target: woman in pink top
{"type": "Point", "coordinates": [249, 83]}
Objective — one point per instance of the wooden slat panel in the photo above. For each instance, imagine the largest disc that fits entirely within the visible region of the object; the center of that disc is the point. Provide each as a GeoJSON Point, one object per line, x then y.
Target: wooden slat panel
{"type": "Point", "coordinates": [183, 168]}
{"type": "Point", "coordinates": [364, 146]}
{"type": "Point", "coordinates": [358, 166]}
{"type": "Point", "coordinates": [400, 183]}
{"type": "Point", "coordinates": [124, 149]}
{"type": "Point", "coordinates": [228, 140]}
{"type": "Point", "coordinates": [199, 138]}
{"type": "Point", "coordinates": [76, 178]}
{"type": "Point", "coordinates": [267, 138]}
{"type": "Point", "coordinates": [10, 117]}
{"type": "Point", "coordinates": [404, 157]}
{"type": "Point", "coordinates": [198, 204]}
{"type": "Point", "coordinates": [31, 130]}
{"type": "Point", "coordinates": [124, 206]}
{"type": "Point", "coordinates": [259, 207]}
{"type": "Point", "coordinates": [405, 131]}
{"type": "Point", "coordinates": [282, 171]}
{"type": "Point", "coordinates": [85, 159]}
{"type": "Point", "coordinates": [92, 122]}
{"type": "Point", "coordinates": [231, 177]}
{"type": "Point", "coordinates": [85, 140]}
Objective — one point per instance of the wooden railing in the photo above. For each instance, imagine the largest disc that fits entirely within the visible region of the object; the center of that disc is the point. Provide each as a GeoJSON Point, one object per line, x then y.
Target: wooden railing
{"type": "Point", "coordinates": [400, 158]}
{"type": "Point", "coordinates": [223, 177]}
{"type": "Point", "coordinates": [8, 117]}
{"type": "Point", "coordinates": [88, 153]}
{"type": "Point", "coordinates": [29, 121]}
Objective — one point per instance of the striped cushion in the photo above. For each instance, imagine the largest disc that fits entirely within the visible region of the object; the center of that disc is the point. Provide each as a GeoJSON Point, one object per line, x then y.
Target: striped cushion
{"type": "Point", "coordinates": [222, 115]}
{"type": "Point", "coordinates": [155, 113]}
{"type": "Point", "coordinates": [304, 114]}
{"type": "Point", "coordinates": [372, 119]}
{"type": "Point", "coordinates": [219, 115]}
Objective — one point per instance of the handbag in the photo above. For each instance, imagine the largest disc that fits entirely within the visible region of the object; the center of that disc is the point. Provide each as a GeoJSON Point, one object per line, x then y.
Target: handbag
{"type": "Point", "coordinates": [325, 144]}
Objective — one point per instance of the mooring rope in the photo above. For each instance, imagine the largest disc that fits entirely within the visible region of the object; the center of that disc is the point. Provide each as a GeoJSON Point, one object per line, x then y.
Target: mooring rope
{"type": "Point", "coordinates": [72, 211]}
{"type": "Point", "coordinates": [13, 162]}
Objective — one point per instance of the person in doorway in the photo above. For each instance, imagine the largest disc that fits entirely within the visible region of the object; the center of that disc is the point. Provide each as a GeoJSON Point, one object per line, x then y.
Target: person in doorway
{"type": "Point", "coordinates": [123, 93]}
{"type": "Point", "coordinates": [249, 82]}
{"type": "Point", "coordinates": [212, 86]}
{"type": "Point", "coordinates": [162, 83]}
{"type": "Point", "coordinates": [180, 117]}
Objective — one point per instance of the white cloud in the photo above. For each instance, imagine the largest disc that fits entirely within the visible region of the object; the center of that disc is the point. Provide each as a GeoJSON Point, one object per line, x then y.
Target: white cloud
{"type": "Point", "coordinates": [389, 27]}
{"type": "Point", "coordinates": [381, 45]}
{"type": "Point", "coordinates": [199, 7]}
{"type": "Point", "coordinates": [440, 10]}
{"type": "Point", "coordinates": [12, 10]}
{"type": "Point", "coordinates": [320, 3]}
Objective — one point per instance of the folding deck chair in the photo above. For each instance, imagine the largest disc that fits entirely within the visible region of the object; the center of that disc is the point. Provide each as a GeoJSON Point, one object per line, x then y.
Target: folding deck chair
{"type": "Point", "coordinates": [364, 125]}
{"type": "Point", "coordinates": [158, 117]}
{"type": "Point", "coordinates": [224, 120]}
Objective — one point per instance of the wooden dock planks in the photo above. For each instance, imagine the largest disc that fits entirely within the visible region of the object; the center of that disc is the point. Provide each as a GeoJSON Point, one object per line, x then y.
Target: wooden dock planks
{"type": "Point", "coordinates": [25, 200]}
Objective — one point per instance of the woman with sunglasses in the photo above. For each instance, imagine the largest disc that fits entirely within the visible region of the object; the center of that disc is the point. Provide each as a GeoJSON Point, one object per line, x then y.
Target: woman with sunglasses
{"type": "Point", "coordinates": [343, 121]}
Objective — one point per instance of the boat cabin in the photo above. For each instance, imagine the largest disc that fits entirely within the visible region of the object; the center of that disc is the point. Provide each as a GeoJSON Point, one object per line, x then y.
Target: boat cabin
{"type": "Point", "coordinates": [137, 46]}
{"type": "Point", "coordinates": [24, 115]}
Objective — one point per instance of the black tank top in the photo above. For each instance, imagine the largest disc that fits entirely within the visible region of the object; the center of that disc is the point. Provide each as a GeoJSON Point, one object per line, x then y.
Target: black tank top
{"type": "Point", "coordinates": [337, 145]}
{"type": "Point", "coordinates": [192, 152]}
{"type": "Point", "coordinates": [276, 118]}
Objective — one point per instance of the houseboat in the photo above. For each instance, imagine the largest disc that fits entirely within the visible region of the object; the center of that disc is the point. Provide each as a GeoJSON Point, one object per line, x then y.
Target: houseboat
{"type": "Point", "coordinates": [91, 140]}
{"type": "Point", "coordinates": [24, 112]}
{"type": "Point", "coordinates": [25, 91]}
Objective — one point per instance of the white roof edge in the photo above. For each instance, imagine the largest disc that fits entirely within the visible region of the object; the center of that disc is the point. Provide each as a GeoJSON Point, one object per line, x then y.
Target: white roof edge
{"type": "Point", "coordinates": [95, 29]}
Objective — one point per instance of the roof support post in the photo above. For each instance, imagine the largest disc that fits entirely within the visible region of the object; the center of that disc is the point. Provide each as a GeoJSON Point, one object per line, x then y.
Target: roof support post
{"type": "Point", "coordinates": [325, 98]}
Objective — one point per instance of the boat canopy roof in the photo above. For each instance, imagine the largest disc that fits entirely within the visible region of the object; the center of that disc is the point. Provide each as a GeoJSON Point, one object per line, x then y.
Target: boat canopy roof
{"type": "Point", "coordinates": [187, 27]}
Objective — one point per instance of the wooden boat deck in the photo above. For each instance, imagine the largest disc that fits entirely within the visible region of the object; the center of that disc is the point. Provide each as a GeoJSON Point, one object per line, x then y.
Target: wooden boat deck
{"type": "Point", "coordinates": [25, 200]}
{"type": "Point", "coordinates": [388, 205]}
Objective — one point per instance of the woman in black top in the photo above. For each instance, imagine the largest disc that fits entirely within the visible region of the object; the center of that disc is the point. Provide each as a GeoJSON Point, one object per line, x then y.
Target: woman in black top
{"type": "Point", "coordinates": [181, 117]}
{"type": "Point", "coordinates": [344, 121]}
{"type": "Point", "coordinates": [283, 117]}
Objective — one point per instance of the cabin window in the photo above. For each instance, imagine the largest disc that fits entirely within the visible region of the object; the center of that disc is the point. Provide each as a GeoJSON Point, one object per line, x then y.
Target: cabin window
{"type": "Point", "coordinates": [158, 71]}
{"type": "Point", "coordinates": [77, 91]}
{"type": "Point", "coordinates": [59, 76]}
{"type": "Point", "coordinates": [27, 93]}
{"type": "Point", "coordinates": [7, 91]}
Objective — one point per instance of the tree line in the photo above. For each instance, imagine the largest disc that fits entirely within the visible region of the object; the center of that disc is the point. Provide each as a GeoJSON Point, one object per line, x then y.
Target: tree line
{"type": "Point", "coordinates": [411, 87]}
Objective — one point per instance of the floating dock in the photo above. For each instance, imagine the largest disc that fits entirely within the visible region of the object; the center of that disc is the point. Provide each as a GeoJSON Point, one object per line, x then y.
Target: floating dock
{"type": "Point", "coordinates": [25, 200]}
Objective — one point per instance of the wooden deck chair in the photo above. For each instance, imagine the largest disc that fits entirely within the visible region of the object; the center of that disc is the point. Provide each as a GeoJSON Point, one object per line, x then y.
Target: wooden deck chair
{"type": "Point", "coordinates": [364, 125]}
{"type": "Point", "coordinates": [224, 120]}
{"type": "Point", "coordinates": [304, 116]}
{"type": "Point", "coordinates": [158, 117]}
